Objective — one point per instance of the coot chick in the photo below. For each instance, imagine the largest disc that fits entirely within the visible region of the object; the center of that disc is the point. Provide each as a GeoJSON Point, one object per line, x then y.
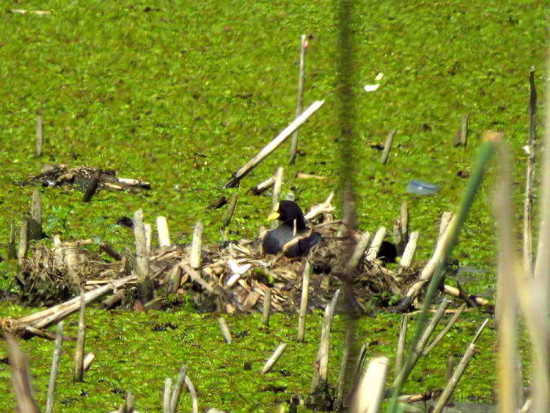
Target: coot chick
{"type": "Point", "coordinates": [293, 227]}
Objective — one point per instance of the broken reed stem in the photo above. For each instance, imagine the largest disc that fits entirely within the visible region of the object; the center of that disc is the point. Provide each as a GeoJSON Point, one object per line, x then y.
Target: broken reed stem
{"type": "Point", "coordinates": [88, 360]}
{"type": "Point", "coordinates": [459, 370]}
{"type": "Point", "coordinates": [167, 396]}
{"type": "Point", "coordinates": [359, 250]}
{"type": "Point", "coordinates": [225, 330]}
{"type": "Point", "coordinates": [148, 236]}
{"type": "Point", "coordinates": [263, 186]}
{"type": "Point", "coordinates": [304, 302]}
{"type": "Point", "coordinates": [506, 303]}
{"type": "Point", "coordinates": [300, 99]}
{"type": "Point", "coordinates": [266, 313]}
{"type": "Point", "coordinates": [404, 221]}
{"type": "Point", "coordinates": [175, 393]}
{"type": "Point", "coordinates": [274, 358]}
{"type": "Point", "coordinates": [20, 377]}
{"type": "Point", "coordinates": [530, 178]}
{"type": "Point", "coordinates": [12, 250]}
{"type": "Point", "coordinates": [35, 222]}
{"type": "Point", "coordinates": [130, 402]}
{"type": "Point", "coordinates": [370, 391]}
{"type": "Point", "coordinates": [142, 258]}
{"type": "Point", "coordinates": [455, 292]}
{"type": "Point", "coordinates": [175, 279]}
{"type": "Point", "coordinates": [321, 366]}
{"type": "Point", "coordinates": [55, 367]}
{"type": "Point", "coordinates": [92, 186]}
{"type": "Point", "coordinates": [445, 330]}
{"type": "Point", "coordinates": [71, 263]}
{"type": "Point", "coordinates": [23, 242]}
{"type": "Point", "coordinates": [387, 147]}
{"type": "Point", "coordinates": [39, 137]}
{"type": "Point", "coordinates": [401, 343]}
{"type": "Point", "coordinates": [196, 247]}
{"type": "Point", "coordinates": [80, 342]}
{"type": "Point", "coordinates": [274, 144]}
{"type": "Point", "coordinates": [230, 210]}
{"type": "Point", "coordinates": [163, 232]}
{"type": "Point", "coordinates": [410, 249]}
{"type": "Point", "coordinates": [376, 243]}
{"type": "Point", "coordinates": [461, 138]}
{"type": "Point", "coordinates": [193, 394]}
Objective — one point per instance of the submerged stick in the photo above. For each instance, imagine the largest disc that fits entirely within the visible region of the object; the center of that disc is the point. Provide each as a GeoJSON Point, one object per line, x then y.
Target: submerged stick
{"type": "Point", "coordinates": [387, 147]}
{"type": "Point", "coordinates": [163, 231]}
{"type": "Point", "coordinates": [80, 342]}
{"type": "Point", "coordinates": [470, 351]}
{"type": "Point", "coordinates": [274, 358]}
{"type": "Point", "coordinates": [196, 247]}
{"type": "Point", "coordinates": [304, 302]}
{"type": "Point", "coordinates": [55, 367]}
{"type": "Point", "coordinates": [274, 144]}
{"type": "Point", "coordinates": [300, 100]}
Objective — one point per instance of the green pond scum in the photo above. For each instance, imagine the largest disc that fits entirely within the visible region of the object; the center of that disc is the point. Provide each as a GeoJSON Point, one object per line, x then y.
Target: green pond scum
{"type": "Point", "coordinates": [182, 93]}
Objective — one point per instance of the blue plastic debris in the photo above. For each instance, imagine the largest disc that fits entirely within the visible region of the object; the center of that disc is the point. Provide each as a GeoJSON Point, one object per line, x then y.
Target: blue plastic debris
{"type": "Point", "coordinates": [421, 188]}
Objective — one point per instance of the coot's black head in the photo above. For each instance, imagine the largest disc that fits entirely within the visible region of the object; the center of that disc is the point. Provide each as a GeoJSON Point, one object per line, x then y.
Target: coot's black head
{"type": "Point", "coordinates": [288, 212]}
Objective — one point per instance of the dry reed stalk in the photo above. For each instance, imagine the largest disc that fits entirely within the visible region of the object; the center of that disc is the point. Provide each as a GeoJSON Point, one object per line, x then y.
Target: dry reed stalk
{"type": "Point", "coordinates": [321, 365]}
{"type": "Point", "coordinates": [71, 263]}
{"type": "Point", "coordinates": [304, 302]}
{"type": "Point", "coordinates": [196, 247]}
{"type": "Point", "coordinates": [530, 177]}
{"type": "Point", "coordinates": [445, 330]}
{"type": "Point", "coordinates": [175, 393]}
{"type": "Point", "coordinates": [400, 355]}
{"type": "Point", "coordinates": [387, 147]}
{"type": "Point", "coordinates": [359, 250]}
{"type": "Point", "coordinates": [348, 342]}
{"type": "Point", "coordinates": [193, 394]}
{"type": "Point", "coordinates": [148, 236]}
{"type": "Point", "coordinates": [80, 342]}
{"type": "Point", "coordinates": [266, 313]}
{"type": "Point", "coordinates": [410, 249]}
{"type": "Point", "coordinates": [446, 218]}
{"type": "Point", "coordinates": [274, 144]}
{"type": "Point", "coordinates": [20, 377]}
{"type": "Point", "coordinates": [540, 292]}
{"type": "Point", "coordinates": [470, 351]}
{"type": "Point", "coordinates": [142, 258]}
{"type": "Point", "coordinates": [370, 391]}
{"type": "Point", "coordinates": [274, 358]}
{"type": "Point", "coordinates": [37, 12]}
{"type": "Point", "coordinates": [39, 147]}
{"type": "Point", "coordinates": [461, 138]}
{"type": "Point", "coordinates": [263, 186]}
{"type": "Point", "coordinates": [55, 367]}
{"type": "Point", "coordinates": [322, 208]}
{"type": "Point", "coordinates": [225, 330]}
{"type": "Point", "coordinates": [167, 396]}
{"type": "Point", "coordinates": [195, 276]}
{"type": "Point", "coordinates": [455, 292]}
{"type": "Point", "coordinates": [506, 302]}
{"type": "Point", "coordinates": [300, 99]}
{"type": "Point", "coordinates": [163, 232]}
{"type": "Point", "coordinates": [376, 243]}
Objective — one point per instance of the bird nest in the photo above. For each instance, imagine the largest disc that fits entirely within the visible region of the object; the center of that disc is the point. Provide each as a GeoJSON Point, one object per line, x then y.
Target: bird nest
{"type": "Point", "coordinates": [232, 278]}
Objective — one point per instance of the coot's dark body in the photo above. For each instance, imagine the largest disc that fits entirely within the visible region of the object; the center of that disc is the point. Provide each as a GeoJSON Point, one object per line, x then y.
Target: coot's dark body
{"type": "Point", "coordinates": [293, 225]}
